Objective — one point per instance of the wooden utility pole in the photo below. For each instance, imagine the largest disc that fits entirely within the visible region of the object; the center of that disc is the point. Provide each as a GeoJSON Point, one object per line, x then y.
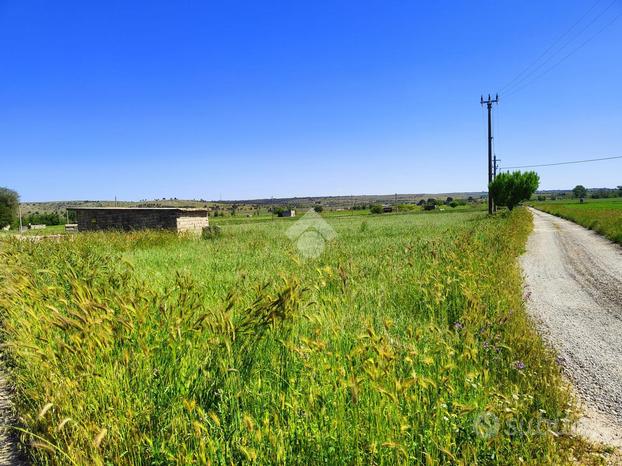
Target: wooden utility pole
{"type": "Point", "coordinates": [489, 102]}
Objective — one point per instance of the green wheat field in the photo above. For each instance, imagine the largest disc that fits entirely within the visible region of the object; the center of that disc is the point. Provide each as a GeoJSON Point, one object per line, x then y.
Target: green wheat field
{"type": "Point", "coordinates": [405, 342]}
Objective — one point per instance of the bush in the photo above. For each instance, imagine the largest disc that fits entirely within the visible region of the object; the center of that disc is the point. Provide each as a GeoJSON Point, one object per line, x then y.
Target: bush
{"type": "Point", "coordinates": [579, 191]}
{"type": "Point", "coordinates": [9, 205]}
{"type": "Point", "coordinates": [510, 189]}
{"type": "Point", "coordinates": [50, 218]}
{"type": "Point", "coordinates": [210, 232]}
{"type": "Point", "coordinates": [318, 208]}
{"type": "Point", "coordinates": [376, 209]}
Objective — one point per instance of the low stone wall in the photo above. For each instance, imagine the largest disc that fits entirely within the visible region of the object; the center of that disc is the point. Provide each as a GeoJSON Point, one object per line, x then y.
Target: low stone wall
{"type": "Point", "coordinates": [127, 219]}
{"type": "Point", "coordinates": [192, 224]}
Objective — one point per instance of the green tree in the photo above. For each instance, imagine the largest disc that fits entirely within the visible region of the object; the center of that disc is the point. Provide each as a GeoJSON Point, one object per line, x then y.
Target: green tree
{"type": "Point", "coordinates": [376, 209]}
{"type": "Point", "coordinates": [510, 189]}
{"type": "Point", "coordinates": [579, 191]}
{"type": "Point", "coordinates": [9, 205]}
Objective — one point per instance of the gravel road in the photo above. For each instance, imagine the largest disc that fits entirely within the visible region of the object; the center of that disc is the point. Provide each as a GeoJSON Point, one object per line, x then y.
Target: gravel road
{"type": "Point", "coordinates": [573, 283]}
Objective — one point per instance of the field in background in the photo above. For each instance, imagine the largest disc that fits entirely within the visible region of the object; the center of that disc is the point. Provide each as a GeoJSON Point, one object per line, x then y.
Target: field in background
{"type": "Point", "coordinates": [253, 207]}
{"type": "Point", "coordinates": [601, 215]}
{"type": "Point", "coordinates": [391, 347]}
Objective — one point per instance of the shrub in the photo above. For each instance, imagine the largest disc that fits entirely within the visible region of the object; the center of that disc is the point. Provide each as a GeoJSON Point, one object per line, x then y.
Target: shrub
{"type": "Point", "coordinates": [9, 205]}
{"type": "Point", "coordinates": [510, 189]}
{"type": "Point", "coordinates": [579, 191]}
{"type": "Point", "coordinates": [376, 209]}
{"type": "Point", "coordinates": [210, 232]}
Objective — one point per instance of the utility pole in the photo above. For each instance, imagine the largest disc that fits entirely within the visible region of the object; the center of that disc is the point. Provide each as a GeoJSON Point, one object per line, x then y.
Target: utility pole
{"type": "Point", "coordinates": [495, 166]}
{"type": "Point", "coordinates": [489, 102]}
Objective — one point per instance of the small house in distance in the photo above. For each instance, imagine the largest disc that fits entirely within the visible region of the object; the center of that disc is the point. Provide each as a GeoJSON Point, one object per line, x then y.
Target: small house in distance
{"type": "Point", "coordinates": [140, 218]}
{"type": "Point", "coordinates": [288, 213]}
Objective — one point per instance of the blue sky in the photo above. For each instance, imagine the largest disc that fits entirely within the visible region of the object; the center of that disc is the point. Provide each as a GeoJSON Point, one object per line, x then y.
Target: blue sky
{"type": "Point", "coordinates": [249, 99]}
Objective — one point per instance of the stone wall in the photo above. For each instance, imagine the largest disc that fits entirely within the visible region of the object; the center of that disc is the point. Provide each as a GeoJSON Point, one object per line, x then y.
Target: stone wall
{"type": "Point", "coordinates": [127, 219]}
{"type": "Point", "coordinates": [192, 224]}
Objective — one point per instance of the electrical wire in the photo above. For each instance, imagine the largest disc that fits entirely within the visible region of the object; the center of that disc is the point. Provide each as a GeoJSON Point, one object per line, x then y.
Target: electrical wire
{"type": "Point", "coordinates": [549, 48]}
{"type": "Point", "coordinates": [564, 58]}
{"type": "Point", "coordinates": [562, 163]}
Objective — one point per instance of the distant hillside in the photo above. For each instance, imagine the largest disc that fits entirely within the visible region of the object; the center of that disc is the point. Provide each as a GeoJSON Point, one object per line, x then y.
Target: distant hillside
{"type": "Point", "coordinates": [330, 202]}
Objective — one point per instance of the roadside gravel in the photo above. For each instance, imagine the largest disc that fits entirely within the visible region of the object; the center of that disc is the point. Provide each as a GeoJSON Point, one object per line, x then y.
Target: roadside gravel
{"type": "Point", "coordinates": [573, 283]}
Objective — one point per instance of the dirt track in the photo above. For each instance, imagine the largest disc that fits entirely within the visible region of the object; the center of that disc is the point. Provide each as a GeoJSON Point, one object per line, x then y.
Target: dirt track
{"type": "Point", "coordinates": [574, 292]}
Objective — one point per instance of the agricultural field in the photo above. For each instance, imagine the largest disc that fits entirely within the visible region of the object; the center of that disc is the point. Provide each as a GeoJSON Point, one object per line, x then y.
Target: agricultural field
{"type": "Point", "coordinates": [404, 342]}
{"type": "Point", "coordinates": [604, 216]}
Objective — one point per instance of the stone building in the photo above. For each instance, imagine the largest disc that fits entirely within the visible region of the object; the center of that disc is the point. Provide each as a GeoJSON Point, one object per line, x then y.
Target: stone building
{"type": "Point", "coordinates": [140, 218]}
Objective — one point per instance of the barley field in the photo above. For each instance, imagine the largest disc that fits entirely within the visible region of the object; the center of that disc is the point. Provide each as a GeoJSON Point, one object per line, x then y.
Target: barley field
{"type": "Point", "coordinates": [405, 342]}
{"type": "Point", "coordinates": [604, 216]}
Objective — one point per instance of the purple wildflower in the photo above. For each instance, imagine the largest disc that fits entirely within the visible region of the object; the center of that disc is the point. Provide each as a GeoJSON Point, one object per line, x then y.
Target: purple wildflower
{"type": "Point", "coordinates": [458, 326]}
{"type": "Point", "coordinates": [520, 365]}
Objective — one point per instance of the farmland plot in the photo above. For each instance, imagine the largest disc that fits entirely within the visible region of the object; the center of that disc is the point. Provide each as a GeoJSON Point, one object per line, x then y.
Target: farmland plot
{"type": "Point", "coordinates": [404, 342]}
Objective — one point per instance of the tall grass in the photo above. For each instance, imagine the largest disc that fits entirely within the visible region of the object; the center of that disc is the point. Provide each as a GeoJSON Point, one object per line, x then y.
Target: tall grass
{"type": "Point", "coordinates": [151, 349]}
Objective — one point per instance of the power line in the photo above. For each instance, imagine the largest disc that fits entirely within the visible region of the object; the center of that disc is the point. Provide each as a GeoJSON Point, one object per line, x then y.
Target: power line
{"type": "Point", "coordinates": [550, 47]}
{"type": "Point", "coordinates": [572, 52]}
{"type": "Point", "coordinates": [563, 163]}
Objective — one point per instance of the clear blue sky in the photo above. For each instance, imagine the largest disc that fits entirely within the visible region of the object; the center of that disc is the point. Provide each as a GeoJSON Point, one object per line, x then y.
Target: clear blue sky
{"type": "Point", "coordinates": [238, 99]}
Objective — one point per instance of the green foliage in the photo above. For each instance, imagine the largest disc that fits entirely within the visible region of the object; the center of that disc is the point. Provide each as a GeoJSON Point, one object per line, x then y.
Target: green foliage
{"type": "Point", "coordinates": [510, 189]}
{"type": "Point", "coordinates": [318, 208]}
{"type": "Point", "coordinates": [148, 348]}
{"type": "Point", "coordinates": [604, 193]}
{"type": "Point", "coordinates": [211, 232]}
{"type": "Point", "coordinates": [9, 205]}
{"type": "Point", "coordinates": [579, 191]}
{"type": "Point", "coordinates": [376, 209]}
{"type": "Point", "coordinates": [48, 218]}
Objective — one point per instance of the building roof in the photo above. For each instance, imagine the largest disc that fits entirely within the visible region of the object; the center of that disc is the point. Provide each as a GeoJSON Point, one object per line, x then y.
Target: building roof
{"type": "Point", "coordinates": [183, 209]}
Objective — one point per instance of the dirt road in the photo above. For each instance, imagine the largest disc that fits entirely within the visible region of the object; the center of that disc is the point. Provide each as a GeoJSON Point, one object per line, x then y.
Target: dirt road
{"type": "Point", "coordinates": [574, 292]}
